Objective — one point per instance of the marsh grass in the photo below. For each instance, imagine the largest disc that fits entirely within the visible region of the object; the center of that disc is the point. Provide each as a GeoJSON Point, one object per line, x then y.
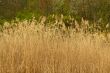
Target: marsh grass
{"type": "Point", "coordinates": [33, 47]}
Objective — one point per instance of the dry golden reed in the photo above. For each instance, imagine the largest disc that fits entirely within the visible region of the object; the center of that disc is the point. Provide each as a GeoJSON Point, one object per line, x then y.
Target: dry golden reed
{"type": "Point", "coordinates": [32, 47]}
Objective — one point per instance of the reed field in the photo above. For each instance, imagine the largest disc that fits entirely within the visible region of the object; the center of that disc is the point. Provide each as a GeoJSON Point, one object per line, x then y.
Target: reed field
{"type": "Point", "coordinates": [38, 46]}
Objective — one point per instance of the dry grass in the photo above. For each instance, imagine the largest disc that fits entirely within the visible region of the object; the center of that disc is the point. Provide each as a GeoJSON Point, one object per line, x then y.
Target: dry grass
{"type": "Point", "coordinates": [30, 48]}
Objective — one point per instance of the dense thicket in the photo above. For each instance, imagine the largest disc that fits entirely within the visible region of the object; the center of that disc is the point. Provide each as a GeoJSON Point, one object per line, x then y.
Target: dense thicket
{"type": "Point", "coordinates": [88, 9]}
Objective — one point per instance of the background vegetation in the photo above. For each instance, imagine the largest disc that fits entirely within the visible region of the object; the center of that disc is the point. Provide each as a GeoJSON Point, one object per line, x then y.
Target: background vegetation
{"type": "Point", "coordinates": [88, 9]}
